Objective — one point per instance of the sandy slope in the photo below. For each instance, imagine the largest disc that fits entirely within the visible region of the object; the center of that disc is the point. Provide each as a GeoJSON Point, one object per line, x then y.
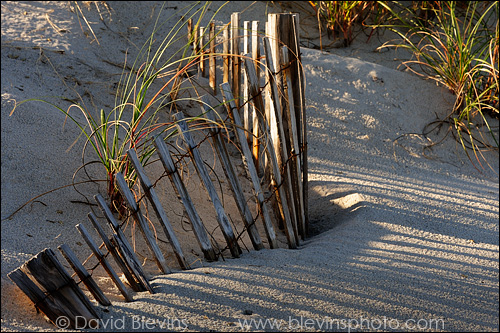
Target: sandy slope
{"type": "Point", "coordinates": [400, 236]}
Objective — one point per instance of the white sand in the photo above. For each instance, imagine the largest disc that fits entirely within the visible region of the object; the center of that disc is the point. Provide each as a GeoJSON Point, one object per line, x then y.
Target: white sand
{"type": "Point", "coordinates": [401, 236]}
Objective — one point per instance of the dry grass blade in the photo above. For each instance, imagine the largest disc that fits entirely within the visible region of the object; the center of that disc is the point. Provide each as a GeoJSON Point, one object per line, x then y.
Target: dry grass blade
{"type": "Point", "coordinates": [86, 21]}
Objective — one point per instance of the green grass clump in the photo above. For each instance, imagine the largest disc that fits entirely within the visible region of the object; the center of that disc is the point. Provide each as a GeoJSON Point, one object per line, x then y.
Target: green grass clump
{"type": "Point", "coordinates": [341, 17]}
{"type": "Point", "coordinates": [456, 45]}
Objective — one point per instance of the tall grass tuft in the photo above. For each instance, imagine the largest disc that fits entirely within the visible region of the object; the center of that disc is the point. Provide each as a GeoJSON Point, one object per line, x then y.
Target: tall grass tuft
{"type": "Point", "coordinates": [341, 17]}
{"type": "Point", "coordinates": [456, 45]}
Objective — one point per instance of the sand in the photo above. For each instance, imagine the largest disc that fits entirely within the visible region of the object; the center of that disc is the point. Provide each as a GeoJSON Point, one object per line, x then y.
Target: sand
{"type": "Point", "coordinates": [401, 240]}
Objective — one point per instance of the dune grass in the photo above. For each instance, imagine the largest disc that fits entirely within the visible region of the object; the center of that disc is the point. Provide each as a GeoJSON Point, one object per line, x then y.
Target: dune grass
{"type": "Point", "coordinates": [453, 43]}
{"type": "Point", "coordinates": [341, 17]}
{"type": "Point", "coordinates": [457, 46]}
{"type": "Point", "coordinates": [149, 87]}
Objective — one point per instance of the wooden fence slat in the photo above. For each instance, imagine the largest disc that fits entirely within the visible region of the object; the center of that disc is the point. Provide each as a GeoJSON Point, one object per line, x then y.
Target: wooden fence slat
{"type": "Point", "coordinates": [203, 65]}
{"type": "Point", "coordinates": [225, 54]}
{"type": "Point", "coordinates": [259, 105]}
{"type": "Point", "coordinates": [84, 276]}
{"type": "Point", "coordinates": [182, 193]}
{"type": "Point", "coordinates": [247, 110]}
{"type": "Point", "coordinates": [111, 249]}
{"type": "Point", "coordinates": [256, 46]}
{"type": "Point", "coordinates": [57, 282]}
{"type": "Point", "coordinates": [252, 170]}
{"type": "Point", "coordinates": [300, 100]}
{"type": "Point", "coordinates": [128, 257]}
{"type": "Point", "coordinates": [231, 176]}
{"type": "Point", "coordinates": [235, 53]}
{"type": "Point", "coordinates": [255, 126]}
{"type": "Point", "coordinates": [61, 295]}
{"type": "Point", "coordinates": [271, 121]}
{"type": "Point", "coordinates": [196, 42]}
{"type": "Point", "coordinates": [222, 218]}
{"type": "Point", "coordinates": [160, 212]}
{"type": "Point", "coordinates": [283, 162]}
{"type": "Point", "coordinates": [100, 256]}
{"type": "Point", "coordinates": [280, 33]}
{"type": "Point", "coordinates": [190, 31]}
{"type": "Point", "coordinates": [132, 260]}
{"type": "Point", "coordinates": [212, 80]}
{"type": "Point", "coordinates": [294, 140]}
{"type": "Point", "coordinates": [284, 30]}
{"type": "Point", "coordinates": [50, 309]}
{"type": "Point", "coordinates": [141, 221]}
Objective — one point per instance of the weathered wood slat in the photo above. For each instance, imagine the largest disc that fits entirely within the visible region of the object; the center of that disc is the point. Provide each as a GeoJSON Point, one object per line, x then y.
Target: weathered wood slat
{"type": "Point", "coordinates": [51, 275]}
{"type": "Point", "coordinates": [100, 256]}
{"type": "Point", "coordinates": [135, 285]}
{"type": "Point", "coordinates": [142, 223]}
{"type": "Point", "coordinates": [247, 110]}
{"type": "Point", "coordinates": [203, 65]}
{"type": "Point", "coordinates": [160, 212]}
{"type": "Point", "coordinates": [259, 105]}
{"type": "Point", "coordinates": [225, 54]}
{"type": "Point", "coordinates": [42, 302]}
{"type": "Point", "coordinates": [84, 276]}
{"type": "Point", "coordinates": [294, 140]}
{"type": "Point", "coordinates": [222, 218]}
{"type": "Point", "coordinates": [61, 296]}
{"type": "Point", "coordinates": [182, 193]}
{"type": "Point", "coordinates": [281, 33]}
{"type": "Point", "coordinates": [283, 162]}
{"type": "Point", "coordinates": [128, 257]}
{"type": "Point", "coordinates": [284, 30]}
{"type": "Point", "coordinates": [131, 259]}
{"type": "Point", "coordinates": [212, 61]}
{"type": "Point", "coordinates": [256, 46]}
{"type": "Point", "coordinates": [235, 52]}
{"type": "Point", "coordinates": [269, 116]}
{"type": "Point", "coordinates": [196, 43]}
{"type": "Point", "coordinates": [231, 176]}
{"type": "Point", "coordinates": [252, 170]}
{"type": "Point", "coordinates": [255, 125]}
{"type": "Point", "coordinates": [300, 104]}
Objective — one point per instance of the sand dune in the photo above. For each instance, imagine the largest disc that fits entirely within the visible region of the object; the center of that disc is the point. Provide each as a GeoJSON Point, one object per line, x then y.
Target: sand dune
{"type": "Point", "coordinates": [401, 239]}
